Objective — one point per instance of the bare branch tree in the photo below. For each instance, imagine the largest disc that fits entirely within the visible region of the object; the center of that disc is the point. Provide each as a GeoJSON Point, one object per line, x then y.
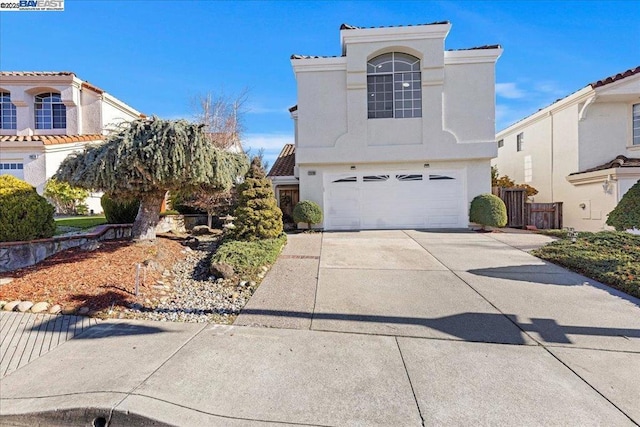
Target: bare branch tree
{"type": "Point", "coordinates": [222, 116]}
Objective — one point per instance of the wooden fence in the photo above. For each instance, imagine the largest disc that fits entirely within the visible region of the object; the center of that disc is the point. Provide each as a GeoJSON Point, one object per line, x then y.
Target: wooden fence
{"type": "Point", "coordinates": [520, 213]}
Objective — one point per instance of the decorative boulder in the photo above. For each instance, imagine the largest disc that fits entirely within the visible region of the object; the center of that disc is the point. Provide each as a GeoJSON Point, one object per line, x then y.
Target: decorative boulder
{"type": "Point", "coordinates": [222, 270]}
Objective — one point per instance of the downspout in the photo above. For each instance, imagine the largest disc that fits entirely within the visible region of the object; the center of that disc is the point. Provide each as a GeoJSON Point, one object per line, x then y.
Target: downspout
{"type": "Point", "coordinates": [552, 154]}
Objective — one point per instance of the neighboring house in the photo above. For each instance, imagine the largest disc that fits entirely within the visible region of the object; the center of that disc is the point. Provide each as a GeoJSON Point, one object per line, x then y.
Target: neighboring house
{"type": "Point", "coordinates": [45, 116]}
{"type": "Point", "coordinates": [395, 133]}
{"type": "Point", "coordinates": [582, 150]}
{"type": "Point", "coordinates": [285, 184]}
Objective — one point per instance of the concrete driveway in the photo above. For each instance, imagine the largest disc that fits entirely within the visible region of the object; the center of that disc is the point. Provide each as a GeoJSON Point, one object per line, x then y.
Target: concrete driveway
{"type": "Point", "coordinates": [384, 328]}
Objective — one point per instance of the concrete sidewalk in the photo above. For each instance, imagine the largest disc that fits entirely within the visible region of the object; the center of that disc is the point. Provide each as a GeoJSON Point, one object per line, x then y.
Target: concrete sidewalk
{"type": "Point", "coordinates": [372, 328]}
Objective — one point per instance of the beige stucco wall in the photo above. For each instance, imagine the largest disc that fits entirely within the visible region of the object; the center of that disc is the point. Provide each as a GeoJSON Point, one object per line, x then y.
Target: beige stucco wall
{"type": "Point", "coordinates": [584, 130]}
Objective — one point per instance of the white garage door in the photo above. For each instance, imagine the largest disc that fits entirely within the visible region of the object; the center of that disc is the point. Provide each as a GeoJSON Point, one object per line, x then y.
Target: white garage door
{"type": "Point", "coordinates": [395, 199]}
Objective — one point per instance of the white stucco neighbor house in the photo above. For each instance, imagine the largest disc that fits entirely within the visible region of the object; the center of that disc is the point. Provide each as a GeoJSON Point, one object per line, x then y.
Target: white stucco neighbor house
{"type": "Point", "coordinates": [582, 150]}
{"type": "Point", "coordinates": [397, 132]}
{"type": "Point", "coordinates": [45, 116]}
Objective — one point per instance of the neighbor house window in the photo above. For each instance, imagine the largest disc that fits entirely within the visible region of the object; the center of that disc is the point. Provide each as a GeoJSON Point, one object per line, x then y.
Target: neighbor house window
{"type": "Point", "coordinates": [394, 86]}
{"type": "Point", "coordinates": [51, 113]}
{"type": "Point", "coordinates": [519, 141]}
{"type": "Point", "coordinates": [501, 143]}
{"type": "Point", "coordinates": [636, 124]}
{"type": "Point", "coordinates": [7, 112]}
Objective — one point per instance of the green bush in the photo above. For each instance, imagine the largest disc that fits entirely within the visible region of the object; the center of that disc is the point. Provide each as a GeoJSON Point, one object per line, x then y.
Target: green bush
{"type": "Point", "coordinates": [626, 215]}
{"type": "Point", "coordinates": [488, 210]}
{"type": "Point", "coordinates": [246, 258]}
{"type": "Point", "coordinates": [257, 215]}
{"type": "Point", "coordinates": [118, 211]}
{"type": "Point", "coordinates": [68, 200]}
{"type": "Point", "coordinates": [24, 214]}
{"type": "Point", "coordinates": [308, 212]}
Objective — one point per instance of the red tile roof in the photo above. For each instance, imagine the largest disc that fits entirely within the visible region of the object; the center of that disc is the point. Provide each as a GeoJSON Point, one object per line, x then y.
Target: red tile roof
{"type": "Point", "coordinates": [618, 162]}
{"type": "Point", "coordinates": [615, 78]}
{"type": "Point", "coordinates": [53, 139]}
{"type": "Point", "coordinates": [285, 162]}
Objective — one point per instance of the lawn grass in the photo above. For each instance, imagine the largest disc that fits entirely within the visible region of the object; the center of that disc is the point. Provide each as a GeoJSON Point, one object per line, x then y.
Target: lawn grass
{"type": "Point", "coordinates": [81, 222]}
{"type": "Point", "coordinates": [247, 258]}
{"type": "Point", "coordinates": [610, 257]}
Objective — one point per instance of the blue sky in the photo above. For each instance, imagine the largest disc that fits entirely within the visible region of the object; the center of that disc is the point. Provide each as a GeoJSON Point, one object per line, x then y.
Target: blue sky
{"type": "Point", "coordinates": [157, 56]}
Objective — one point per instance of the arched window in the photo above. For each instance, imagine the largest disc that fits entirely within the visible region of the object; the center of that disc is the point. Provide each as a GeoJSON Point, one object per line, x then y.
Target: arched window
{"type": "Point", "coordinates": [51, 113]}
{"type": "Point", "coordinates": [7, 112]}
{"type": "Point", "coordinates": [393, 86]}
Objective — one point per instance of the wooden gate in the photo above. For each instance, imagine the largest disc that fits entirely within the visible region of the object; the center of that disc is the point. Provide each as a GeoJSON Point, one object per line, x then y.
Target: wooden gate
{"type": "Point", "coordinates": [289, 198]}
{"type": "Point", "coordinates": [545, 215]}
{"type": "Point", "coordinates": [514, 199]}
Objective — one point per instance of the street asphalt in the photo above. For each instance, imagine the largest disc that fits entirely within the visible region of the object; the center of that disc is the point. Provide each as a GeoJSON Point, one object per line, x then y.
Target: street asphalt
{"type": "Point", "coordinates": [372, 328]}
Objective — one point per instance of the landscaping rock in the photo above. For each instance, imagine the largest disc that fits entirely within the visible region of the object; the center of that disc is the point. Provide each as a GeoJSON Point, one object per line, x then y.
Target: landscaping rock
{"type": "Point", "coordinates": [5, 280]}
{"type": "Point", "coordinates": [2, 304]}
{"type": "Point", "coordinates": [200, 230]}
{"type": "Point", "coordinates": [40, 307]}
{"type": "Point", "coordinates": [191, 242]}
{"type": "Point", "coordinates": [55, 309]}
{"type": "Point", "coordinates": [68, 310]}
{"type": "Point", "coordinates": [222, 270]}
{"type": "Point", "coordinates": [24, 306]}
{"type": "Point", "coordinates": [10, 306]}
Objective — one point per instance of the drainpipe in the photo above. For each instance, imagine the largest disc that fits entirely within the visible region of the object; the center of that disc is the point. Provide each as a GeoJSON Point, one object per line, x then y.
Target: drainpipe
{"type": "Point", "coordinates": [552, 179]}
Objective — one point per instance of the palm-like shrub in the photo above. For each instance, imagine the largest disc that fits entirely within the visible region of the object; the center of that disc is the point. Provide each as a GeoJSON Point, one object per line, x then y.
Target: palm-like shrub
{"type": "Point", "coordinates": [626, 215]}
{"type": "Point", "coordinates": [308, 212]}
{"type": "Point", "coordinates": [257, 215]}
{"type": "Point", "coordinates": [24, 214]}
{"type": "Point", "coordinates": [488, 210]}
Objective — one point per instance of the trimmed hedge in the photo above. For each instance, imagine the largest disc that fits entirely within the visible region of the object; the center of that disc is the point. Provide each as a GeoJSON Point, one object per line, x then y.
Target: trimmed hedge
{"type": "Point", "coordinates": [488, 210]}
{"type": "Point", "coordinates": [24, 214]}
{"type": "Point", "coordinates": [119, 211]}
{"type": "Point", "coordinates": [626, 215]}
{"type": "Point", "coordinates": [308, 212]}
{"type": "Point", "coordinates": [247, 258]}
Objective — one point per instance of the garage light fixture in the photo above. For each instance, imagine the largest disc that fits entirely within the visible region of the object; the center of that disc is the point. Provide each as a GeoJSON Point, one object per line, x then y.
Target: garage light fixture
{"type": "Point", "coordinates": [352, 167]}
{"type": "Point", "coordinates": [426, 165]}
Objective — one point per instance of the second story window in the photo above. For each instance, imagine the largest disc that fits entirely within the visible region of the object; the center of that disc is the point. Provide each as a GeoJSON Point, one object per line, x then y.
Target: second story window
{"type": "Point", "coordinates": [394, 86]}
{"type": "Point", "coordinates": [7, 112]}
{"type": "Point", "coordinates": [519, 141]}
{"type": "Point", "coordinates": [51, 113]}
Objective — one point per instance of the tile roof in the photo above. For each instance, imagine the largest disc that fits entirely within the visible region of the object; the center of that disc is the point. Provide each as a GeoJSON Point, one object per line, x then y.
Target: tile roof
{"type": "Point", "coordinates": [294, 56]}
{"type": "Point", "coordinates": [353, 27]}
{"type": "Point", "coordinates": [618, 162]}
{"type": "Point", "coordinates": [285, 162]}
{"type": "Point", "coordinates": [294, 108]}
{"type": "Point", "coordinates": [487, 46]}
{"type": "Point", "coordinates": [615, 78]}
{"type": "Point", "coordinates": [52, 139]}
{"type": "Point", "coordinates": [36, 73]}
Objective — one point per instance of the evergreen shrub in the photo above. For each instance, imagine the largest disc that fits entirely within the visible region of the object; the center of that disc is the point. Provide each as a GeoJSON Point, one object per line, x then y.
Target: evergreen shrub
{"type": "Point", "coordinates": [308, 212]}
{"type": "Point", "coordinates": [626, 215]}
{"type": "Point", "coordinates": [488, 210]}
{"type": "Point", "coordinates": [24, 214]}
{"type": "Point", "coordinates": [119, 211]}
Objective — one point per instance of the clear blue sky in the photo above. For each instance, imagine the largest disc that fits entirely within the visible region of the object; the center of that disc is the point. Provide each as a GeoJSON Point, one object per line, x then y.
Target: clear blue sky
{"type": "Point", "coordinates": [158, 55]}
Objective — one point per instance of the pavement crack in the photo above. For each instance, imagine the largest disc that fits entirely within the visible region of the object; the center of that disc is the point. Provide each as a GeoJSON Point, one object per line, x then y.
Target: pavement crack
{"type": "Point", "coordinates": [413, 391]}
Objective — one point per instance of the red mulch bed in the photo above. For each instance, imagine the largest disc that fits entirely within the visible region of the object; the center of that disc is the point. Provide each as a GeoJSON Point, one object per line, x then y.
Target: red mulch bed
{"type": "Point", "coordinates": [98, 279]}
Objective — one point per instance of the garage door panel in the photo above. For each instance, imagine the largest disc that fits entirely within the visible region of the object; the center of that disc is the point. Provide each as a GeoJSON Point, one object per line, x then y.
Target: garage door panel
{"type": "Point", "coordinates": [395, 199]}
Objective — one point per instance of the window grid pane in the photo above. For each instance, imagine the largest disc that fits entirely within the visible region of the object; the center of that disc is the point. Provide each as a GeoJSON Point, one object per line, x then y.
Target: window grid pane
{"type": "Point", "coordinates": [7, 112]}
{"type": "Point", "coordinates": [636, 124]}
{"type": "Point", "coordinates": [394, 86]}
{"type": "Point", "coordinates": [50, 112]}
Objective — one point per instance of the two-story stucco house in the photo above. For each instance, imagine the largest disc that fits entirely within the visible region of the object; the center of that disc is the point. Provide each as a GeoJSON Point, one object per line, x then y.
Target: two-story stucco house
{"type": "Point", "coordinates": [582, 150]}
{"type": "Point", "coordinates": [45, 116]}
{"type": "Point", "coordinates": [397, 132]}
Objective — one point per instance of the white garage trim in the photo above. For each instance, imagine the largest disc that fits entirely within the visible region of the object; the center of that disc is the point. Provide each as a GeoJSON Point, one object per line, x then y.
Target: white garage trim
{"type": "Point", "coordinates": [395, 199]}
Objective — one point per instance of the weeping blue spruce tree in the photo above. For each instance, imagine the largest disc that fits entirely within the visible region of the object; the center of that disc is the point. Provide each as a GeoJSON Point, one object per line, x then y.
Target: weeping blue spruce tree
{"type": "Point", "coordinates": [148, 157]}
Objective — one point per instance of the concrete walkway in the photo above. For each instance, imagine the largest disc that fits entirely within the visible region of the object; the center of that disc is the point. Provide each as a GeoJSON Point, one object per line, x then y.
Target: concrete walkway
{"type": "Point", "coordinates": [372, 328]}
